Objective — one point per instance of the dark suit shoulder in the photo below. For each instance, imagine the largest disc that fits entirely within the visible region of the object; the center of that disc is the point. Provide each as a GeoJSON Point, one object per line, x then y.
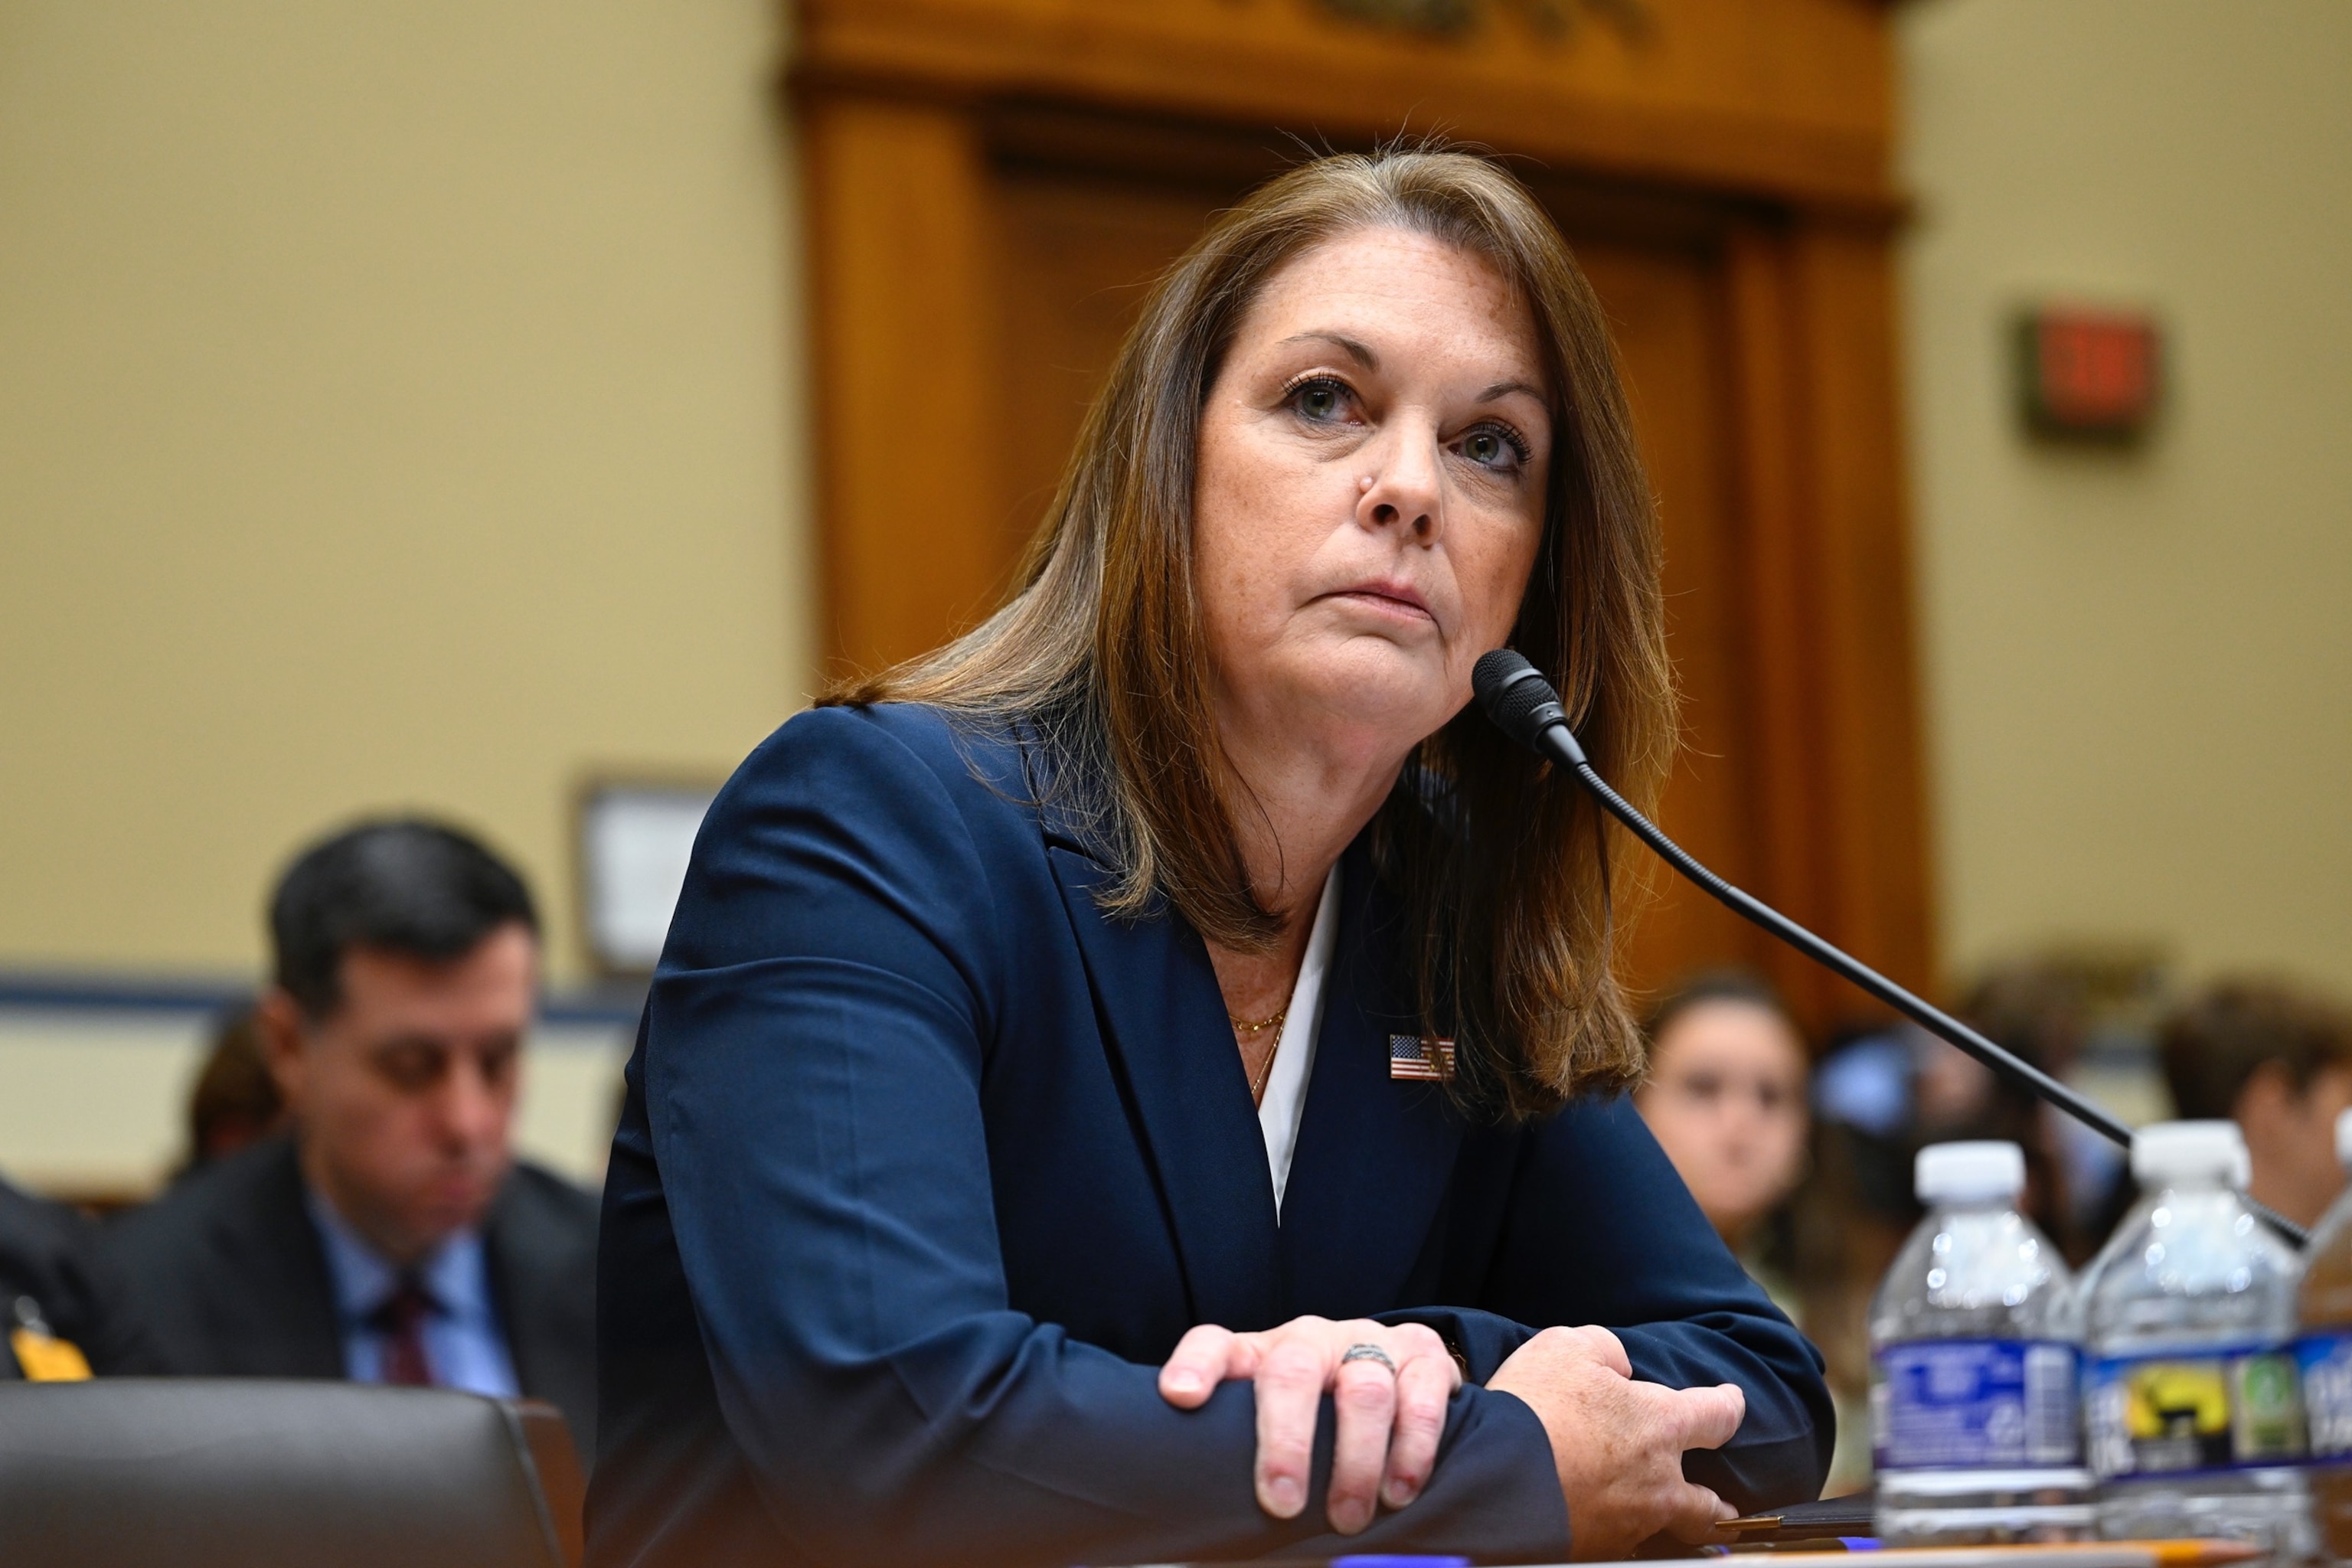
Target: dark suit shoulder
{"type": "Point", "coordinates": [537, 1202]}
{"type": "Point", "coordinates": [977, 761]}
{"type": "Point", "coordinates": [542, 1238]}
{"type": "Point", "coordinates": [228, 1272]}
{"type": "Point", "coordinates": [863, 835]}
{"type": "Point", "coordinates": [241, 1193]}
{"type": "Point", "coordinates": [38, 1239]}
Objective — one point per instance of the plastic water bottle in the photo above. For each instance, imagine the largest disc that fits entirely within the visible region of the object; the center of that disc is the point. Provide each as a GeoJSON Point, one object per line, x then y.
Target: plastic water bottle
{"type": "Point", "coordinates": [2192, 1405]}
{"type": "Point", "coordinates": [1973, 1365]}
{"type": "Point", "coordinates": [2324, 1356]}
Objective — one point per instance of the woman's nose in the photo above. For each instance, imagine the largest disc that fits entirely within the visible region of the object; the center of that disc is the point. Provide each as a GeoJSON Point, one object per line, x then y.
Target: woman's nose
{"type": "Point", "coordinates": [1404, 486]}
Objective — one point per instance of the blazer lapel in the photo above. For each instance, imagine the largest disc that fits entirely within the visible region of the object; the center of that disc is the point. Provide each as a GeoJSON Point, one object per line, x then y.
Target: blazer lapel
{"type": "Point", "coordinates": [271, 1259]}
{"type": "Point", "coordinates": [1163, 1023]}
{"type": "Point", "coordinates": [514, 1277]}
{"type": "Point", "coordinates": [542, 1267]}
{"type": "Point", "coordinates": [1374, 1153]}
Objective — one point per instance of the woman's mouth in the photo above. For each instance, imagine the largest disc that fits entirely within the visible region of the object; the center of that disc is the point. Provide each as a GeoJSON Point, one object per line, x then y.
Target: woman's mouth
{"type": "Point", "coordinates": [1398, 600]}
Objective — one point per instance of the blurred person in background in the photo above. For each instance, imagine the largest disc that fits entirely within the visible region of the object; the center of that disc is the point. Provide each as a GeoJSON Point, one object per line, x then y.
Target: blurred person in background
{"type": "Point", "coordinates": [391, 1237]}
{"type": "Point", "coordinates": [63, 1309]}
{"type": "Point", "coordinates": [2275, 1059]}
{"type": "Point", "coordinates": [1883, 1093]}
{"type": "Point", "coordinates": [1887, 1091]}
{"type": "Point", "coordinates": [235, 1100]}
{"type": "Point", "coordinates": [2047, 1011]}
{"type": "Point", "coordinates": [1725, 1099]}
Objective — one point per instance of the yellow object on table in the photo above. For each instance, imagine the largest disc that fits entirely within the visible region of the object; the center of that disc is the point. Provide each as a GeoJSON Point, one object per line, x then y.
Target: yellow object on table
{"type": "Point", "coordinates": [45, 1358]}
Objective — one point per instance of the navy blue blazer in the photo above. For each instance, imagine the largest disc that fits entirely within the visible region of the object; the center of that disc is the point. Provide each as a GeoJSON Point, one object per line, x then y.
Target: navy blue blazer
{"type": "Point", "coordinates": [926, 1165]}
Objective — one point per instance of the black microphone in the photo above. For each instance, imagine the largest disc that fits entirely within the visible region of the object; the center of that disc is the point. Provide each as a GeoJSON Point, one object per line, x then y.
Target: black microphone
{"type": "Point", "coordinates": [1514, 693]}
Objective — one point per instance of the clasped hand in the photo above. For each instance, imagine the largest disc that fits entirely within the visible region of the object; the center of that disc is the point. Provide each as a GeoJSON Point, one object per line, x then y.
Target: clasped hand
{"type": "Point", "coordinates": [1389, 1423]}
{"type": "Point", "coordinates": [1617, 1444]}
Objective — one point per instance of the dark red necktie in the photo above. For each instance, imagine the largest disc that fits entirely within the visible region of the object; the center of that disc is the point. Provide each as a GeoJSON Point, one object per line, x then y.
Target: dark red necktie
{"type": "Point", "coordinates": [401, 1321]}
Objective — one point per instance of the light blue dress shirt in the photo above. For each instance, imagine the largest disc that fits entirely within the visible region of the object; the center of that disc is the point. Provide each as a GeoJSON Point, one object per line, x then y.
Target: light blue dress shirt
{"type": "Point", "coordinates": [464, 1344]}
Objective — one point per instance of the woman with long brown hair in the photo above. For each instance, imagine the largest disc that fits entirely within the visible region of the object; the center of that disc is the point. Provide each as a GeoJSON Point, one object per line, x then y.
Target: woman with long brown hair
{"type": "Point", "coordinates": [1146, 1080]}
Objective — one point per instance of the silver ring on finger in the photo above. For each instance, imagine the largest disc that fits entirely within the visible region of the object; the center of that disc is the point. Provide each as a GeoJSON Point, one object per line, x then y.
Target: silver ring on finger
{"type": "Point", "coordinates": [1369, 1352]}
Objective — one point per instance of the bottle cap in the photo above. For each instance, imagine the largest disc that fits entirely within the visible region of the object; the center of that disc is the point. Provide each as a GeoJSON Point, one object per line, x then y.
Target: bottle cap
{"type": "Point", "coordinates": [2172, 1152]}
{"type": "Point", "coordinates": [1968, 1172]}
{"type": "Point", "coordinates": [2344, 1139]}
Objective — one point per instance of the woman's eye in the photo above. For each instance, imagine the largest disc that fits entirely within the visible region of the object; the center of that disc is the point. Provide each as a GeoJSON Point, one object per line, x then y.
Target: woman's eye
{"type": "Point", "coordinates": [1492, 448]}
{"type": "Point", "coordinates": [1320, 399]}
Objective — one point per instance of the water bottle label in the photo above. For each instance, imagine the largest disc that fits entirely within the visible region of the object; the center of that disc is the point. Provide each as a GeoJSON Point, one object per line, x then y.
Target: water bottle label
{"type": "Point", "coordinates": [2325, 1362]}
{"type": "Point", "coordinates": [2207, 1409]}
{"type": "Point", "coordinates": [1947, 1405]}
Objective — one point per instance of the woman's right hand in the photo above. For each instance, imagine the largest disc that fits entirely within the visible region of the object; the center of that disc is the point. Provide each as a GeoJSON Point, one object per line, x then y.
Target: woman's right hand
{"type": "Point", "coordinates": [1391, 1411]}
{"type": "Point", "coordinates": [1617, 1443]}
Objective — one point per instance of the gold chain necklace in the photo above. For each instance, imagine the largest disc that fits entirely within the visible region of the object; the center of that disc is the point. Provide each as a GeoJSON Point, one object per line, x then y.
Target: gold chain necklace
{"type": "Point", "coordinates": [1265, 1068]}
{"type": "Point", "coordinates": [1264, 1071]}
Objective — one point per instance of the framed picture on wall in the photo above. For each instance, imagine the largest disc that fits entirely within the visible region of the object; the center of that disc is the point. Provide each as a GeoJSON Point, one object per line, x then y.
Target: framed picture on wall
{"type": "Point", "coordinates": [635, 837]}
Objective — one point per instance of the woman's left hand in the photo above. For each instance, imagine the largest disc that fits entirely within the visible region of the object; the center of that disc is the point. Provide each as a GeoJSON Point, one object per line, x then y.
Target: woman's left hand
{"type": "Point", "coordinates": [1388, 1422]}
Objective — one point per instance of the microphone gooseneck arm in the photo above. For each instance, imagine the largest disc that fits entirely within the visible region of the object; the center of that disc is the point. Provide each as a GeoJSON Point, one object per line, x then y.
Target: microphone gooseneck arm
{"type": "Point", "coordinates": [1516, 696]}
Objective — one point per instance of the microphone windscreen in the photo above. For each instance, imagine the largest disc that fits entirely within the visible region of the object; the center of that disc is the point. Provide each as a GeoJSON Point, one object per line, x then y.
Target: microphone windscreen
{"type": "Point", "coordinates": [1514, 695]}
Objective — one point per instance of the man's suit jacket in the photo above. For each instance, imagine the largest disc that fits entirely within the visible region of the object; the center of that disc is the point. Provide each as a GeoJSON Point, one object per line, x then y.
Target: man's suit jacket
{"type": "Point", "coordinates": [232, 1278]}
{"type": "Point", "coordinates": [926, 1163]}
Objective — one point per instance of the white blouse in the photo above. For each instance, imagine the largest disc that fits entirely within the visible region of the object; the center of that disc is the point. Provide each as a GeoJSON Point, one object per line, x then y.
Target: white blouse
{"type": "Point", "coordinates": [1285, 1101]}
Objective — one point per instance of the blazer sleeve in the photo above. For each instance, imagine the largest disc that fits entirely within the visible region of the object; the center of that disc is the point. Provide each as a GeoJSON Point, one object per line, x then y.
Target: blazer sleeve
{"type": "Point", "coordinates": [1601, 1229]}
{"type": "Point", "coordinates": [814, 1043]}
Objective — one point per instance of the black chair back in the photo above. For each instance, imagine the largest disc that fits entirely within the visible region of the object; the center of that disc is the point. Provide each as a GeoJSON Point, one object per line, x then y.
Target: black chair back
{"type": "Point", "coordinates": [207, 1472]}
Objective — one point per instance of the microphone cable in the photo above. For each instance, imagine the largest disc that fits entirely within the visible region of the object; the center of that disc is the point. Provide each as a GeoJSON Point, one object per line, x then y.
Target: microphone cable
{"type": "Point", "coordinates": [1513, 694]}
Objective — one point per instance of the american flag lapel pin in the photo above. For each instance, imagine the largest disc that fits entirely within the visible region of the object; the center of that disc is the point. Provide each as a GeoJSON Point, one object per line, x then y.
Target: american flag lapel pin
{"type": "Point", "coordinates": [1423, 1059]}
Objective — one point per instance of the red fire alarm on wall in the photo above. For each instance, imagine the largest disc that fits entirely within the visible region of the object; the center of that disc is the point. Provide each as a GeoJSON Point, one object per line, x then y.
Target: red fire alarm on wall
{"type": "Point", "coordinates": [2088, 372]}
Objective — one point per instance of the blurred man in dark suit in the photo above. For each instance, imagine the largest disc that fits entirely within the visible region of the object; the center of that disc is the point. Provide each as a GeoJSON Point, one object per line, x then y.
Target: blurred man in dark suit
{"type": "Point", "coordinates": [63, 1315]}
{"type": "Point", "coordinates": [391, 1237]}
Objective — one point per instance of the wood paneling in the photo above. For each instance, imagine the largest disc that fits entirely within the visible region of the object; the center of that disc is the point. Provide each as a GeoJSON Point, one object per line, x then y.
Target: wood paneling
{"type": "Point", "coordinates": [1872, 782]}
{"type": "Point", "coordinates": [1788, 97]}
{"type": "Point", "coordinates": [904, 296]}
{"type": "Point", "coordinates": [993, 183]}
{"type": "Point", "coordinates": [1078, 252]}
{"type": "Point", "coordinates": [1783, 773]}
{"type": "Point", "coordinates": [1664, 309]}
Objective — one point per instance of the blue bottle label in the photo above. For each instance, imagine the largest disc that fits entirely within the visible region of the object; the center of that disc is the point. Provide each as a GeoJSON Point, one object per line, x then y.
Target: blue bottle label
{"type": "Point", "coordinates": [1970, 1404]}
{"type": "Point", "coordinates": [2325, 1361]}
{"type": "Point", "coordinates": [2211, 1408]}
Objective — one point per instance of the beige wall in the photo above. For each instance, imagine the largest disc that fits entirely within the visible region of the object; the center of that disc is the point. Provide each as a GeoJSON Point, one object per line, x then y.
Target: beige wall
{"type": "Point", "coordinates": [399, 406]}
{"type": "Point", "coordinates": [97, 1100]}
{"type": "Point", "coordinates": [2139, 667]}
